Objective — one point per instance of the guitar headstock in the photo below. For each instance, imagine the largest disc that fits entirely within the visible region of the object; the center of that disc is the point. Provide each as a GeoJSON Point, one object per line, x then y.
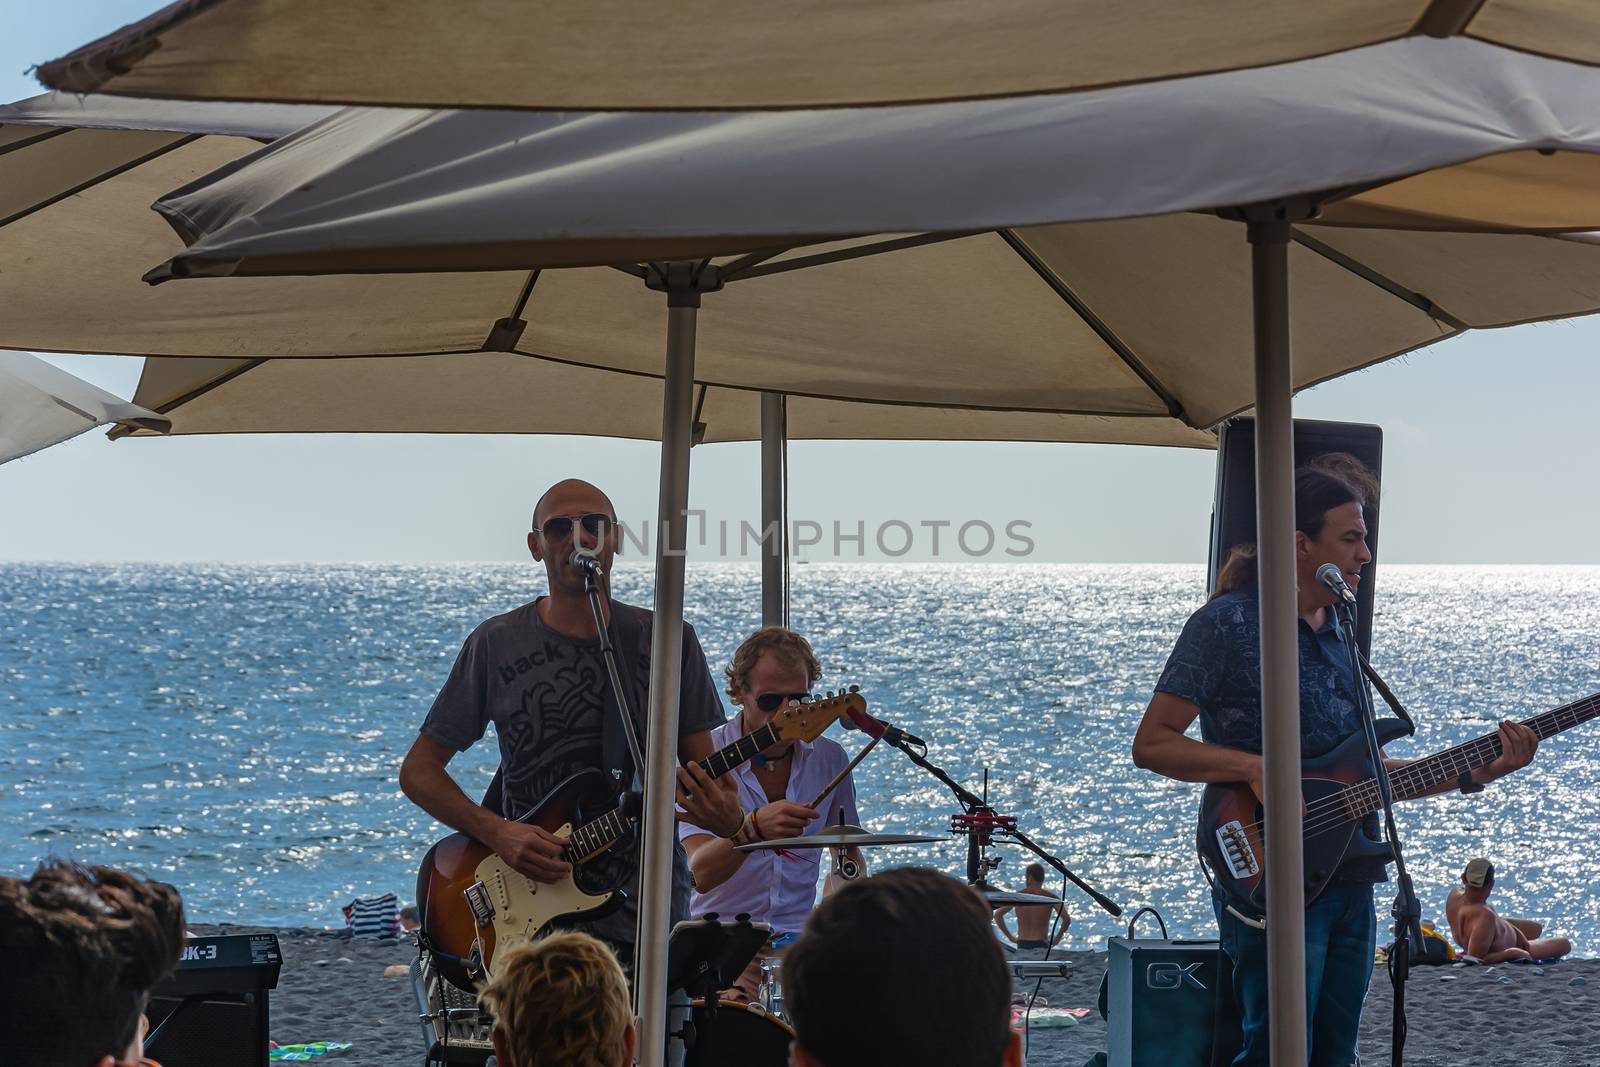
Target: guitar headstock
{"type": "Point", "coordinates": [807, 721]}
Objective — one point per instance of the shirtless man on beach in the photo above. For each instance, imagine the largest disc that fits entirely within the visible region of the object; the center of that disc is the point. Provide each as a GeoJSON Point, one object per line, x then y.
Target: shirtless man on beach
{"type": "Point", "coordinates": [1033, 923]}
{"type": "Point", "coordinates": [1487, 936]}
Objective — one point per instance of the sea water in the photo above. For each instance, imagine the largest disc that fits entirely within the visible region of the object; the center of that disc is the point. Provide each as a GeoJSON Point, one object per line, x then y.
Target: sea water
{"type": "Point", "coordinates": [236, 730]}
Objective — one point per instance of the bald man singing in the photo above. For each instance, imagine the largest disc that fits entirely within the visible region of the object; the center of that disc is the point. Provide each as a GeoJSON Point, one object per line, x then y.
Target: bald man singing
{"type": "Point", "coordinates": [536, 673]}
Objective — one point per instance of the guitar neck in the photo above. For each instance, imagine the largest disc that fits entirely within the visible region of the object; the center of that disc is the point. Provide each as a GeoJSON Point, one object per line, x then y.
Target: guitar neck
{"type": "Point", "coordinates": [1417, 778]}
{"type": "Point", "coordinates": [743, 750]}
{"type": "Point", "coordinates": [599, 834]}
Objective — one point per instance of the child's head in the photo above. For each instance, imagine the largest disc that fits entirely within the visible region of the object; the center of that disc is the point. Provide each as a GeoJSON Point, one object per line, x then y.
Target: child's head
{"type": "Point", "coordinates": [561, 1002]}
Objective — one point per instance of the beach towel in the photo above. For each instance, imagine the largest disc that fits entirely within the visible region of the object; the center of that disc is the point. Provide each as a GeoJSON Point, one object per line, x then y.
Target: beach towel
{"type": "Point", "coordinates": [314, 1051]}
{"type": "Point", "coordinates": [1045, 1017]}
{"type": "Point", "coordinates": [369, 918]}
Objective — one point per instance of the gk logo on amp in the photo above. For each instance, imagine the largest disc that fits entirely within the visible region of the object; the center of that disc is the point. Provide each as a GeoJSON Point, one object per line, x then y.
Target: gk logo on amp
{"type": "Point", "coordinates": [1172, 976]}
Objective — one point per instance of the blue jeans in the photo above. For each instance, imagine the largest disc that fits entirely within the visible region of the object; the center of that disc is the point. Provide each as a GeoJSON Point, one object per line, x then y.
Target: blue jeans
{"type": "Point", "coordinates": [1341, 937]}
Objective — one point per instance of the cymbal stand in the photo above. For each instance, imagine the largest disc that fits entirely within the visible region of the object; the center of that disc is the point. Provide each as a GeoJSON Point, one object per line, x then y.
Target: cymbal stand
{"type": "Point", "coordinates": [982, 825]}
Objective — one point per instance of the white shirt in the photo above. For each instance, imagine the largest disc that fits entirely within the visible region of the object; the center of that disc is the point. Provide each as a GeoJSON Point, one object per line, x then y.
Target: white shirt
{"type": "Point", "coordinates": [779, 887]}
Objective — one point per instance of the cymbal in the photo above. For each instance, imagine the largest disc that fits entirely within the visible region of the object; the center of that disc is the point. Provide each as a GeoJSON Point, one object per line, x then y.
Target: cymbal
{"type": "Point", "coordinates": [1000, 898]}
{"type": "Point", "coordinates": [837, 837]}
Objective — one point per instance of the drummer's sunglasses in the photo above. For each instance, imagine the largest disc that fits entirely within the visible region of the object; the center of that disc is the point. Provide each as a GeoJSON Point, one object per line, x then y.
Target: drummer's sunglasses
{"type": "Point", "coordinates": [773, 701]}
{"type": "Point", "coordinates": [595, 524]}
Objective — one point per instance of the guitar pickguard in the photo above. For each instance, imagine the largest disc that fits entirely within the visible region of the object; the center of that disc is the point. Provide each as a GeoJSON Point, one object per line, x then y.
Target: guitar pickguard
{"type": "Point", "coordinates": [524, 908]}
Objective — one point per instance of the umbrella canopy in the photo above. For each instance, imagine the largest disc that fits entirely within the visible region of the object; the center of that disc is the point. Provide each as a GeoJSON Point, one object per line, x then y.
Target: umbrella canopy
{"type": "Point", "coordinates": [1496, 141]}
{"type": "Point", "coordinates": [55, 145]}
{"type": "Point", "coordinates": [498, 392]}
{"type": "Point", "coordinates": [42, 405]}
{"type": "Point", "coordinates": [1144, 316]}
{"type": "Point", "coordinates": [704, 54]}
{"type": "Point", "coordinates": [76, 180]}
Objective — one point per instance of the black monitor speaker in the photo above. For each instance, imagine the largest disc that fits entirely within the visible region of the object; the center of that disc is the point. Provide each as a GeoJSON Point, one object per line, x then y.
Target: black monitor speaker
{"type": "Point", "coordinates": [209, 1030]}
{"type": "Point", "coordinates": [1233, 518]}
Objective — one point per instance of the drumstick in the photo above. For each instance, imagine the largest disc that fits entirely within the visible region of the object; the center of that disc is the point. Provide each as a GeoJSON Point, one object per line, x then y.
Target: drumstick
{"type": "Point", "coordinates": [847, 769]}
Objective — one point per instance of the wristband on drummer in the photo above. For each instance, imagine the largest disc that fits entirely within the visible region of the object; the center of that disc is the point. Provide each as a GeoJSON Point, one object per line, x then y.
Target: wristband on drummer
{"type": "Point", "coordinates": [755, 824]}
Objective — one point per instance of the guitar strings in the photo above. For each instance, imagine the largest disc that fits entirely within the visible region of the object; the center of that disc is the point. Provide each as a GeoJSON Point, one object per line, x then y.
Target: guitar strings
{"type": "Point", "coordinates": [1329, 811]}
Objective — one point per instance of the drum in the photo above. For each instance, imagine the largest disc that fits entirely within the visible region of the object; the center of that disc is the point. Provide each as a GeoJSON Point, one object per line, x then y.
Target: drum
{"type": "Point", "coordinates": [738, 1035]}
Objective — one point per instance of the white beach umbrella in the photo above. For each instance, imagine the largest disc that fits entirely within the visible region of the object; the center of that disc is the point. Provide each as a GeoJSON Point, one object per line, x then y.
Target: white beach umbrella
{"type": "Point", "coordinates": [1160, 301]}
{"type": "Point", "coordinates": [714, 54]}
{"type": "Point", "coordinates": [42, 405]}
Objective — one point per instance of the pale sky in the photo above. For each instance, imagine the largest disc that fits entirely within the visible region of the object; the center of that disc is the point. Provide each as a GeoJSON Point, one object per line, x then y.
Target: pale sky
{"type": "Point", "coordinates": [1489, 458]}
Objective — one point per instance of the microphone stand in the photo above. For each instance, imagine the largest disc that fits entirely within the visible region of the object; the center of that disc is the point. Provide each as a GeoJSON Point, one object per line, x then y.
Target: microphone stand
{"type": "Point", "coordinates": [608, 652]}
{"type": "Point", "coordinates": [974, 804]}
{"type": "Point", "coordinates": [1407, 909]}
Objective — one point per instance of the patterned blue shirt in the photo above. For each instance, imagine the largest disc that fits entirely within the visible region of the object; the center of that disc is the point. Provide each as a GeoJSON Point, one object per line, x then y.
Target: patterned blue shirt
{"type": "Point", "coordinates": [1216, 665]}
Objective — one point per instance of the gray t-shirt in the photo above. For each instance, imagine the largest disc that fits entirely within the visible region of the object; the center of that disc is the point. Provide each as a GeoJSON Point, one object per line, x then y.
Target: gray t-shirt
{"type": "Point", "coordinates": [548, 695]}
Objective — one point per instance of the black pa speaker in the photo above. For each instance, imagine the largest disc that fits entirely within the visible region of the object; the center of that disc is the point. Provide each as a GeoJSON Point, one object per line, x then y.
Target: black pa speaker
{"type": "Point", "coordinates": [1233, 518]}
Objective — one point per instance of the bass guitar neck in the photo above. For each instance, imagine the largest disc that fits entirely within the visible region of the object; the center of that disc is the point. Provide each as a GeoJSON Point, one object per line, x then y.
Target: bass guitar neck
{"type": "Point", "coordinates": [1340, 792]}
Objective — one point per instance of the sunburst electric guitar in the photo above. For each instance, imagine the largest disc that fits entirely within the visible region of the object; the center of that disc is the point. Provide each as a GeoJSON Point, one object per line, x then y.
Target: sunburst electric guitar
{"type": "Point", "coordinates": [474, 905]}
{"type": "Point", "coordinates": [1340, 792]}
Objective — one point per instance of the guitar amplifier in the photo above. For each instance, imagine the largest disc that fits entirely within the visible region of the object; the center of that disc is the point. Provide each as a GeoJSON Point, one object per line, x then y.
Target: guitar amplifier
{"type": "Point", "coordinates": [213, 1009]}
{"type": "Point", "coordinates": [1160, 1002]}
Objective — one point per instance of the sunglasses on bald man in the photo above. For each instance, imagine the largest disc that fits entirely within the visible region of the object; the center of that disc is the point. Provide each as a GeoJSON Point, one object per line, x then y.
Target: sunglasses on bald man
{"type": "Point", "coordinates": [559, 527]}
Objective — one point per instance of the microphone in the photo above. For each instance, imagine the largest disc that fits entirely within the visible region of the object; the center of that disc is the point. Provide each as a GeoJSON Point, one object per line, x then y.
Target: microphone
{"type": "Point", "coordinates": [1330, 575]}
{"type": "Point", "coordinates": [587, 563]}
{"type": "Point", "coordinates": [897, 737]}
{"type": "Point", "coordinates": [873, 727]}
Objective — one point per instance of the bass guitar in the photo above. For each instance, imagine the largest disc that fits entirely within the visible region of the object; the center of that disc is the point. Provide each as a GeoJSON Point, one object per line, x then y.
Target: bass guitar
{"type": "Point", "coordinates": [473, 905]}
{"type": "Point", "coordinates": [1340, 792]}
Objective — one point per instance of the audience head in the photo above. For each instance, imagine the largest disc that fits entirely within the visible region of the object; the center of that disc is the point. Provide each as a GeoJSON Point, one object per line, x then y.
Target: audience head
{"type": "Point", "coordinates": [561, 1002]}
{"type": "Point", "coordinates": [901, 967]}
{"type": "Point", "coordinates": [1034, 873]}
{"type": "Point", "coordinates": [82, 948]}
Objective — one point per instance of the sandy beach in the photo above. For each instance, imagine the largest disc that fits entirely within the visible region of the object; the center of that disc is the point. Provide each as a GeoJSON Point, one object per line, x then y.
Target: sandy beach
{"type": "Point", "coordinates": [333, 989]}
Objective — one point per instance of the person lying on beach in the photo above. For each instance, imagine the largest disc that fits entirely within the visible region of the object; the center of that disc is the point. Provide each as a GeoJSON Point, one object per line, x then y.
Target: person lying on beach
{"type": "Point", "coordinates": [84, 946]}
{"type": "Point", "coordinates": [561, 1002]}
{"type": "Point", "coordinates": [900, 968]}
{"type": "Point", "coordinates": [1033, 923]}
{"type": "Point", "coordinates": [1485, 935]}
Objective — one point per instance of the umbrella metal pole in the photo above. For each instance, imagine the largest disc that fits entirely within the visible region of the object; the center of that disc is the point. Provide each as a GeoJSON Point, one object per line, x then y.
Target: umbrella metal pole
{"type": "Point", "coordinates": [774, 610]}
{"type": "Point", "coordinates": [666, 651]}
{"type": "Point", "coordinates": [1280, 667]}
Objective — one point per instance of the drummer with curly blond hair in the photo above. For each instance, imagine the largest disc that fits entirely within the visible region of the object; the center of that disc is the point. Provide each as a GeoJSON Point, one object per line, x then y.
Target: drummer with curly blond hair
{"type": "Point", "coordinates": [774, 796]}
{"type": "Point", "coordinates": [561, 1002]}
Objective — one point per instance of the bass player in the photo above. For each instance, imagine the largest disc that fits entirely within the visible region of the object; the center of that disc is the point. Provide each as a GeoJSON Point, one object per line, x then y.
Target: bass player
{"type": "Point", "coordinates": [536, 673]}
{"type": "Point", "coordinates": [1214, 673]}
